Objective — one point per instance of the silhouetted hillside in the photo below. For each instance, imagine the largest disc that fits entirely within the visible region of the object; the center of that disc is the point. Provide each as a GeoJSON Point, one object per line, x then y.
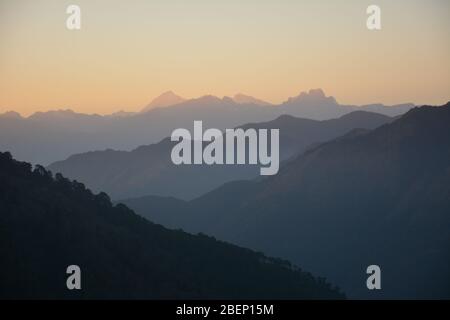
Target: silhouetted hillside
{"type": "Point", "coordinates": [378, 197]}
{"type": "Point", "coordinates": [47, 224]}
{"type": "Point", "coordinates": [148, 170]}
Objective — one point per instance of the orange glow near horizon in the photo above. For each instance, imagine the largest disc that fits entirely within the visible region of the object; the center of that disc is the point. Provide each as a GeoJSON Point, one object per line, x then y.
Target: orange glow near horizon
{"type": "Point", "coordinates": [128, 52]}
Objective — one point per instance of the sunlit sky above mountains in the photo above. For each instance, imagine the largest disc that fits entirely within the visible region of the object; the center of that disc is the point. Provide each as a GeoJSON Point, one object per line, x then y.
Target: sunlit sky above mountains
{"type": "Point", "coordinates": [128, 52]}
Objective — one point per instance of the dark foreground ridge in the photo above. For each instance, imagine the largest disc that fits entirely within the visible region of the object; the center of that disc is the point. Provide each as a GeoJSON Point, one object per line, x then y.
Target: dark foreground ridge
{"type": "Point", "coordinates": [48, 223]}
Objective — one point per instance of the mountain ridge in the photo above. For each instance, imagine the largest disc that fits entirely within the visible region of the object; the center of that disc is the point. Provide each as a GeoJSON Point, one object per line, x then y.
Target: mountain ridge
{"type": "Point", "coordinates": [165, 99]}
{"type": "Point", "coordinates": [49, 223]}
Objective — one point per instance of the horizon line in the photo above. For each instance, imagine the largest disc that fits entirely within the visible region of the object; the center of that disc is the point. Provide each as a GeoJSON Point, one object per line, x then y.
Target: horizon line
{"type": "Point", "coordinates": [138, 110]}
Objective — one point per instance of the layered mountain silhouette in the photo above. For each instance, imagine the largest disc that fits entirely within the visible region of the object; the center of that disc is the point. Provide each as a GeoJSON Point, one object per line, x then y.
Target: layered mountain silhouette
{"type": "Point", "coordinates": [369, 197]}
{"type": "Point", "coordinates": [148, 170]}
{"type": "Point", "coordinates": [50, 223]}
{"type": "Point", "coordinates": [46, 137]}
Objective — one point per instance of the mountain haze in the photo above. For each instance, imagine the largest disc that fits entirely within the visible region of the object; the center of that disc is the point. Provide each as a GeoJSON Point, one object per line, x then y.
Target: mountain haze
{"type": "Point", "coordinates": [244, 99]}
{"type": "Point", "coordinates": [46, 137]}
{"type": "Point", "coordinates": [148, 170]}
{"type": "Point", "coordinates": [369, 197]}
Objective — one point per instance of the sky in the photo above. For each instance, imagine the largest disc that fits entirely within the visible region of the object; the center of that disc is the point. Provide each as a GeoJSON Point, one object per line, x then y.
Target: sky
{"type": "Point", "coordinates": [128, 52]}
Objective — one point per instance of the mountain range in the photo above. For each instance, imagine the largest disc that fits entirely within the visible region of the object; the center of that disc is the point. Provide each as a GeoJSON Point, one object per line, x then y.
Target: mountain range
{"type": "Point", "coordinates": [169, 98]}
{"type": "Point", "coordinates": [354, 191]}
{"type": "Point", "coordinates": [149, 170]}
{"type": "Point", "coordinates": [378, 196]}
{"type": "Point", "coordinates": [46, 137]}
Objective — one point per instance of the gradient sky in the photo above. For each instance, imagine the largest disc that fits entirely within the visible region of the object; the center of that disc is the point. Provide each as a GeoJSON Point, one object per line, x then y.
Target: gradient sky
{"type": "Point", "coordinates": [128, 52]}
